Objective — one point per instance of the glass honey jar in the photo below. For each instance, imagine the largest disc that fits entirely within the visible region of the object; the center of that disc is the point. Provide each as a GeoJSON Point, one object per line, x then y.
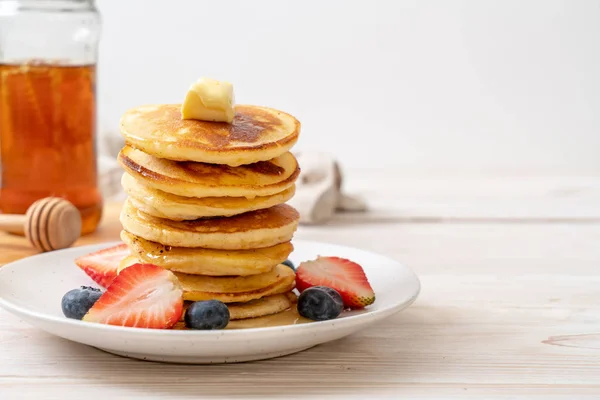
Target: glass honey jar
{"type": "Point", "coordinates": [48, 56]}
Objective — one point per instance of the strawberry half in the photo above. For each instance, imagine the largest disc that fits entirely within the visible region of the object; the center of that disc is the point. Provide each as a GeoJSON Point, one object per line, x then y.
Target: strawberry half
{"type": "Point", "coordinates": [102, 265]}
{"type": "Point", "coordinates": [343, 275]}
{"type": "Point", "coordinates": [142, 296]}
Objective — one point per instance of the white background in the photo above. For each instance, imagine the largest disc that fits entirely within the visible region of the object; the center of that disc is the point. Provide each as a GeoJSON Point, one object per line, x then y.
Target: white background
{"type": "Point", "coordinates": [502, 86]}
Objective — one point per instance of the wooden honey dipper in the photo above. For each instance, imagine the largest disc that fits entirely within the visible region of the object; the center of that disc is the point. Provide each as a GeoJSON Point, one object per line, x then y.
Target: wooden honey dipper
{"type": "Point", "coordinates": [51, 223]}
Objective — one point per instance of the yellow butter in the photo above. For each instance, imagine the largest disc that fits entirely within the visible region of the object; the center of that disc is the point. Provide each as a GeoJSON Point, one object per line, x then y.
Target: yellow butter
{"type": "Point", "coordinates": [209, 100]}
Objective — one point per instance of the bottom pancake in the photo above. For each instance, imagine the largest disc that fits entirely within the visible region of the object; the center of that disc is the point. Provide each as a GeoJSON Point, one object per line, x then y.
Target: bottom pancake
{"type": "Point", "coordinates": [288, 316]}
{"type": "Point", "coordinates": [283, 318]}
{"type": "Point", "coordinates": [260, 307]}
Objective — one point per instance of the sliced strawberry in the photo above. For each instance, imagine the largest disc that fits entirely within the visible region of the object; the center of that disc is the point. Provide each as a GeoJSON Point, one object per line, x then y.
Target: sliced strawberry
{"type": "Point", "coordinates": [345, 276]}
{"type": "Point", "coordinates": [102, 265]}
{"type": "Point", "coordinates": [142, 296]}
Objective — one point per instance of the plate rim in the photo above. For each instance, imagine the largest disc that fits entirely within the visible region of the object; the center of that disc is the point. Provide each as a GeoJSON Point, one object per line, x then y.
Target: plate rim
{"type": "Point", "coordinates": [342, 322]}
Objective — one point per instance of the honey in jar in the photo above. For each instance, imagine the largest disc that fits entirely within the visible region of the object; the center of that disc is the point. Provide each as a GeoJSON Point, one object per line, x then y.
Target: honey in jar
{"type": "Point", "coordinates": [47, 123]}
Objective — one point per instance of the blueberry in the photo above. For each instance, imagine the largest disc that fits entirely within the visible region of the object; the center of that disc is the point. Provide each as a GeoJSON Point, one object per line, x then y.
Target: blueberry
{"type": "Point", "coordinates": [210, 314]}
{"type": "Point", "coordinates": [76, 303]}
{"type": "Point", "coordinates": [290, 264]}
{"type": "Point", "coordinates": [320, 303]}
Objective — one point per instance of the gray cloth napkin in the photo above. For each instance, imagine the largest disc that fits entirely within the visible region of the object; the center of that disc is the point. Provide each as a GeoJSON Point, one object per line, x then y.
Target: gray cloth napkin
{"type": "Point", "coordinates": [319, 192]}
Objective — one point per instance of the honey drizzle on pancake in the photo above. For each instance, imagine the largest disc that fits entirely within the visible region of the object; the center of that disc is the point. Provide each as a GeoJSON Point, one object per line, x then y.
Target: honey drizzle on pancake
{"type": "Point", "coordinates": [261, 167]}
{"type": "Point", "coordinates": [266, 168]}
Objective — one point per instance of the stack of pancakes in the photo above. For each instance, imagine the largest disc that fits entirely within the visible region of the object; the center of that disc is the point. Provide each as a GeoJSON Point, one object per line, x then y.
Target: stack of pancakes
{"type": "Point", "coordinates": [206, 202]}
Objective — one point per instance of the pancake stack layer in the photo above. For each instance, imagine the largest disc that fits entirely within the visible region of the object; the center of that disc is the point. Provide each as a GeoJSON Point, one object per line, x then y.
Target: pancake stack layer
{"type": "Point", "coordinates": [206, 201]}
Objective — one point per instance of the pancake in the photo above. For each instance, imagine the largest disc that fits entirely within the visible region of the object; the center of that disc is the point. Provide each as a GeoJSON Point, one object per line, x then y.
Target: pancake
{"type": "Point", "coordinates": [258, 308]}
{"type": "Point", "coordinates": [233, 284]}
{"type": "Point", "coordinates": [231, 289]}
{"type": "Point", "coordinates": [193, 179]}
{"type": "Point", "coordinates": [285, 284]}
{"type": "Point", "coordinates": [256, 229]}
{"type": "Point", "coordinates": [284, 318]}
{"type": "Point", "coordinates": [261, 307]}
{"type": "Point", "coordinates": [207, 261]}
{"type": "Point", "coordinates": [256, 134]}
{"type": "Point", "coordinates": [177, 208]}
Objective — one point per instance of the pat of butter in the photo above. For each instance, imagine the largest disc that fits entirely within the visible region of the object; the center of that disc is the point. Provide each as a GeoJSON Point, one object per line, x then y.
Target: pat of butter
{"type": "Point", "coordinates": [209, 100]}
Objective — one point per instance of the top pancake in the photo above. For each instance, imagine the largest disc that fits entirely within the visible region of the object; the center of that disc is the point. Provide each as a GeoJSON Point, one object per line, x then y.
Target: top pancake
{"type": "Point", "coordinates": [256, 134]}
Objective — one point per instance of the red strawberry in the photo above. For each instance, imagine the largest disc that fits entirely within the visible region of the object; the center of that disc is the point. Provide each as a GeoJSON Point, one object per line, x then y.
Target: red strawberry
{"type": "Point", "coordinates": [102, 265]}
{"type": "Point", "coordinates": [142, 296]}
{"type": "Point", "coordinates": [345, 276]}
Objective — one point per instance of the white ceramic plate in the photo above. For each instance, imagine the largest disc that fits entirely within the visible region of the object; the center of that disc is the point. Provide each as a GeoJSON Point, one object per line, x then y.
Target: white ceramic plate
{"type": "Point", "coordinates": [32, 289]}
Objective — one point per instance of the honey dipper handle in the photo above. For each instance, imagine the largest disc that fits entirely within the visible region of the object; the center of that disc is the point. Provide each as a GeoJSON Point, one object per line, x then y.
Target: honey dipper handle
{"type": "Point", "coordinates": [12, 223]}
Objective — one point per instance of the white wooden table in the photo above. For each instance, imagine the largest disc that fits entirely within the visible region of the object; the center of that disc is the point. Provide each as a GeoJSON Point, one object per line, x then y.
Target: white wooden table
{"type": "Point", "coordinates": [510, 307]}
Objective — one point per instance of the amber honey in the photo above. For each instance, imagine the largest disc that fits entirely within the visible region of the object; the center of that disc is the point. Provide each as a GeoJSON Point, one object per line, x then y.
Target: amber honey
{"type": "Point", "coordinates": [47, 137]}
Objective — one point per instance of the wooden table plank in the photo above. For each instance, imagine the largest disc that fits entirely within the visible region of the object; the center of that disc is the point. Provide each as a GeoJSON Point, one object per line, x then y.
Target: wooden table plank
{"type": "Point", "coordinates": [506, 311]}
{"type": "Point", "coordinates": [435, 197]}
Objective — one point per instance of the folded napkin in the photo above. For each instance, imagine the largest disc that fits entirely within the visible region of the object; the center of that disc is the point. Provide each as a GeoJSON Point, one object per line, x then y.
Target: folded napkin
{"type": "Point", "coordinates": [109, 170]}
{"type": "Point", "coordinates": [319, 192]}
{"type": "Point", "coordinates": [318, 195]}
